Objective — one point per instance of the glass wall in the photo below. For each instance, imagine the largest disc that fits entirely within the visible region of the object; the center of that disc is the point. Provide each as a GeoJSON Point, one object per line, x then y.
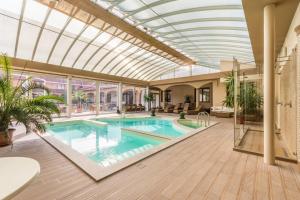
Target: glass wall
{"type": "Point", "coordinates": [57, 86]}
{"type": "Point", "coordinates": [83, 93]}
{"type": "Point", "coordinates": [248, 98]}
{"type": "Point", "coordinates": [108, 97]}
{"type": "Point", "coordinates": [83, 96]}
{"type": "Point", "coordinates": [133, 95]}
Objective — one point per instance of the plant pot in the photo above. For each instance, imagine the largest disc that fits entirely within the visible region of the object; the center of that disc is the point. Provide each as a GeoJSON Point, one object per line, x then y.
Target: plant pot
{"type": "Point", "coordinates": [7, 139]}
{"type": "Point", "coordinates": [153, 112]}
{"type": "Point", "coordinates": [181, 115]}
{"type": "Point", "coordinates": [242, 119]}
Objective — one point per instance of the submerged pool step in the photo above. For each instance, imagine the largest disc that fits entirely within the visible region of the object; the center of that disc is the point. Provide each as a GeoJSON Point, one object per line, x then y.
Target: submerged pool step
{"type": "Point", "coordinates": [147, 134]}
{"type": "Point", "coordinates": [116, 158]}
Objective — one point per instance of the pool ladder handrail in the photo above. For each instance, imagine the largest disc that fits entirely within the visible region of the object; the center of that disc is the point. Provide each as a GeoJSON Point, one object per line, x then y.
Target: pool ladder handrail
{"type": "Point", "coordinates": [203, 117]}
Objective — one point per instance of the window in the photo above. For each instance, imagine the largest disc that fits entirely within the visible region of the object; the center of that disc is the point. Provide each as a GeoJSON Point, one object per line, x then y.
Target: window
{"type": "Point", "coordinates": [204, 95]}
{"type": "Point", "coordinates": [168, 96]}
{"type": "Point", "coordinates": [83, 96]}
{"type": "Point", "coordinates": [108, 96]}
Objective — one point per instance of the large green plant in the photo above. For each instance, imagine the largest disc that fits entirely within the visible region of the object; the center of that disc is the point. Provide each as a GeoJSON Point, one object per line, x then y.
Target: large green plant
{"type": "Point", "coordinates": [249, 99]}
{"type": "Point", "coordinates": [229, 85]}
{"type": "Point", "coordinates": [16, 106]}
{"type": "Point", "coordinates": [149, 98]}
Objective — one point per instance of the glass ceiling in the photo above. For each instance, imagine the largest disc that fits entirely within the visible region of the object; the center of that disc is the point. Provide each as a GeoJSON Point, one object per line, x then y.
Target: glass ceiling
{"type": "Point", "coordinates": [206, 31]}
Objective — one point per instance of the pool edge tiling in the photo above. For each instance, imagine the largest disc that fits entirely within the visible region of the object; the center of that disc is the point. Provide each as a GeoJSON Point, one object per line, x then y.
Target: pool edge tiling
{"type": "Point", "coordinates": [98, 172]}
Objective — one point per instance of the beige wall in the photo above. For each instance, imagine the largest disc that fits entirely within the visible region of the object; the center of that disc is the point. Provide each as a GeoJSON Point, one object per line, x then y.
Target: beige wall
{"type": "Point", "coordinates": [219, 93]}
{"type": "Point", "coordinates": [179, 92]}
{"type": "Point", "coordinates": [288, 104]}
{"type": "Point", "coordinates": [289, 88]}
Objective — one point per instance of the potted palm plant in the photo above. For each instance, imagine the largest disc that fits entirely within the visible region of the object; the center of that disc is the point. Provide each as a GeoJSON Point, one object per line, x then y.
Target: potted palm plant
{"type": "Point", "coordinates": [229, 85]}
{"type": "Point", "coordinates": [150, 98]}
{"type": "Point", "coordinates": [250, 102]}
{"type": "Point", "coordinates": [16, 107]}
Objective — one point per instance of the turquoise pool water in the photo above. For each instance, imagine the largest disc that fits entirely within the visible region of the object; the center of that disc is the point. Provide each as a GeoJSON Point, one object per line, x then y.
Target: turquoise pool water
{"type": "Point", "coordinates": [106, 145]}
{"type": "Point", "coordinates": [155, 125]}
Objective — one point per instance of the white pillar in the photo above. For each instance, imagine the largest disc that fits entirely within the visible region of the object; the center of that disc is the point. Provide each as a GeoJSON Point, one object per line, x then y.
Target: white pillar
{"type": "Point", "coordinates": [133, 96]}
{"type": "Point", "coordinates": [269, 83]}
{"type": "Point", "coordinates": [197, 97]}
{"type": "Point", "coordinates": [120, 97]}
{"type": "Point", "coordinates": [97, 97]}
{"type": "Point", "coordinates": [147, 105]}
{"type": "Point", "coordinates": [69, 96]}
{"type": "Point", "coordinates": [164, 99]}
{"type": "Point", "coordinates": [29, 93]}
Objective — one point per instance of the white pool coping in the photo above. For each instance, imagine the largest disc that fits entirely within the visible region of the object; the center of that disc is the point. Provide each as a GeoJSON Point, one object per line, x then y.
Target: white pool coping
{"type": "Point", "coordinates": [98, 172]}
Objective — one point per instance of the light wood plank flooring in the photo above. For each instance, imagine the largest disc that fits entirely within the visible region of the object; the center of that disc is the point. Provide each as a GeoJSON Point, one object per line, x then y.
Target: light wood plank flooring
{"type": "Point", "coordinates": [253, 141]}
{"type": "Point", "coordinates": [201, 167]}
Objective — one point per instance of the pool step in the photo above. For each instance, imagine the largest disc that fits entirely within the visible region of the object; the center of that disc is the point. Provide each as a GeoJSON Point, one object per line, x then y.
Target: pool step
{"type": "Point", "coordinates": [116, 158]}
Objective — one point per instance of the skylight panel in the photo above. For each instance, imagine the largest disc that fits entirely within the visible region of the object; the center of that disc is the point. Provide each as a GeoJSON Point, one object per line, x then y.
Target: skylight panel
{"type": "Point", "coordinates": [103, 4]}
{"type": "Point", "coordinates": [27, 38]}
{"type": "Point", "coordinates": [74, 53]}
{"type": "Point", "coordinates": [44, 47]}
{"type": "Point", "coordinates": [131, 5]}
{"type": "Point", "coordinates": [103, 38]}
{"type": "Point", "coordinates": [9, 29]}
{"type": "Point", "coordinates": [85, 56]}
{"type": "Point", "coordinates": [113, 43]}
{"type": "Point", "coordinates": [12, 6]}
{"type": "Point", "coordinates": [60, 50]}
{"type": "Point", "coordinates": [205, 14]}
{"type": "Point", "coordinates": [57, 19]}
{"type": "Point", "coordinates": [190, 4]}
{"type": "Point", "coordinates": [90, 32]}
{"type": "Point", "coordinates": [35, 11]}
{"type": "Point", "coordinates": [75, 26]}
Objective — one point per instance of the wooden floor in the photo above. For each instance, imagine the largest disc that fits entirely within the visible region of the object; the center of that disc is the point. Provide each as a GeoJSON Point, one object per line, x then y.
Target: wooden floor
{"type": "Point", "coordinates": [201, 167]}
{"type": "Point", "coordinates": [253, 141]}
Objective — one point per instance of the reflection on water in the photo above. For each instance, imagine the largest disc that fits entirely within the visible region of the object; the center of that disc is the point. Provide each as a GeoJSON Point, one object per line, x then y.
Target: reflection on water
{"type": "Point", "coordinates": [105, 145]}
{"type": "Point", "coordinates": [155, 125]}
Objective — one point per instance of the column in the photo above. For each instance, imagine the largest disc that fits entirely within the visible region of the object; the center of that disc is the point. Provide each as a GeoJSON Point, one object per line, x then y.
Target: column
{"type": "Point", "coordinates": [29, 93]}
{"type": "Point", "coordinates": [120, 97]}
{"type": "Point", "coordinates": [269, 83]}
{"type": "Point", "coordinates": [133, 96]}
{"type": "Point", "coordinates": [164, 99]}
{"type": "Point", "coordinates": [197, 97]}
{"type": "Point", "coordinates": [97, 97]}
{"type": "Point", "coordinates": [147, 105]}
{"type": "Point", "coordinates": [297, 30]}
{"type": "Point", "coordinates": [69, 96]}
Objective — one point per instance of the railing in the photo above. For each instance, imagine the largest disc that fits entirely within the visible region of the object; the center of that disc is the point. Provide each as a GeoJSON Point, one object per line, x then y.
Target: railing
{"type": "Point", "coordinates": [203, 118]}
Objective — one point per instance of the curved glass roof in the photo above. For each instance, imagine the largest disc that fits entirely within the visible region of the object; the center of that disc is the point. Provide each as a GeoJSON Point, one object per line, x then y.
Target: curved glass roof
{"type": "Point", "coordinates": [205, 31]}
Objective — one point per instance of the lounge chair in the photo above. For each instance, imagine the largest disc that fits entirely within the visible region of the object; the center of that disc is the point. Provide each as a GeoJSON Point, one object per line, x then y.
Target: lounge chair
{"type": "Point", "coordinates": [140, 107]}
{"type": "Point", "coordinates": [186, 108]}
{"type": "Point", "coordinates": [159, 109]}
{"type": "Point", "coordinates": [195, 111]}
{"type": "Point", "coordinates": [169, 109]}
{"type": "Point", "coordinates": [177, 108]}
{"type": "Point", "coordinates": [127, 108]}
{"type": "Point", "coordinates": [134, 107]}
